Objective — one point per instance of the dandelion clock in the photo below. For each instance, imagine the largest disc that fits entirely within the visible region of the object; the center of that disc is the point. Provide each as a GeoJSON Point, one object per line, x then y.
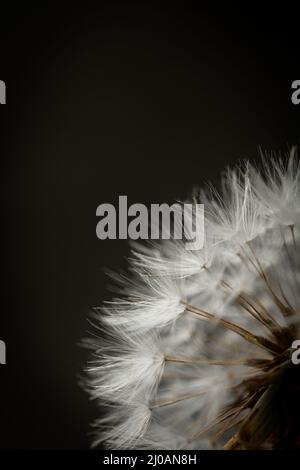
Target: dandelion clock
{"type": "Point", "coordinates": [198, 350]}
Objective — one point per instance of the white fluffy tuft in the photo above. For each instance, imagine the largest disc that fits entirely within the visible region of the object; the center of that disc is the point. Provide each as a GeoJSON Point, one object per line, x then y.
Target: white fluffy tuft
{"type": "Point", "coordinates": [172, 347]}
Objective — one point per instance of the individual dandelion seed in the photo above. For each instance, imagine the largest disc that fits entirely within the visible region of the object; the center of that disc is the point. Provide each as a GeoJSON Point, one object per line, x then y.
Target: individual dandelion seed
{"type": "Point", "coordinates": [195, 353]}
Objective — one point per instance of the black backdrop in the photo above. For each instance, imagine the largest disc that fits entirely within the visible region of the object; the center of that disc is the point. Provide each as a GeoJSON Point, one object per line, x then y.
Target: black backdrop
{"type": "Point", "coordinates": [122, 98]}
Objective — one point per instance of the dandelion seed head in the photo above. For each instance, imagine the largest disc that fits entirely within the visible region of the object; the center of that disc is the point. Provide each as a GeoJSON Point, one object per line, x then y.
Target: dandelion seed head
{"type": "Point", "coordinates": [196, 348]}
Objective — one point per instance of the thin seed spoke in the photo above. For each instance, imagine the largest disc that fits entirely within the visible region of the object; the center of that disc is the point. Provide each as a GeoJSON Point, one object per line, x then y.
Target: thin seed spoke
{"type": "Point", "coordinates": [215, 362]}
{"type": "Point", "coordinates": [247, 335]}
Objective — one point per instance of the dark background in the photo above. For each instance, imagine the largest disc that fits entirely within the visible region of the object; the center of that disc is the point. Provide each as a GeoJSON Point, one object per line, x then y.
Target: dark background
{"type": "Point", "coordinates": [122, 98]}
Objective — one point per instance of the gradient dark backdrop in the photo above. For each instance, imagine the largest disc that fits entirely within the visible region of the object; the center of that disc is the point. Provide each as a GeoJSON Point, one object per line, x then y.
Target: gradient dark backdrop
{"type": "Point", "coordinates": [123, 98]}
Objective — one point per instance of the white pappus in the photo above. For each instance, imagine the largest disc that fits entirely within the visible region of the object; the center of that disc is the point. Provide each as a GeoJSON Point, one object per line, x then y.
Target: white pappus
{"type": "Point", "coordinates": [195, 352]}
